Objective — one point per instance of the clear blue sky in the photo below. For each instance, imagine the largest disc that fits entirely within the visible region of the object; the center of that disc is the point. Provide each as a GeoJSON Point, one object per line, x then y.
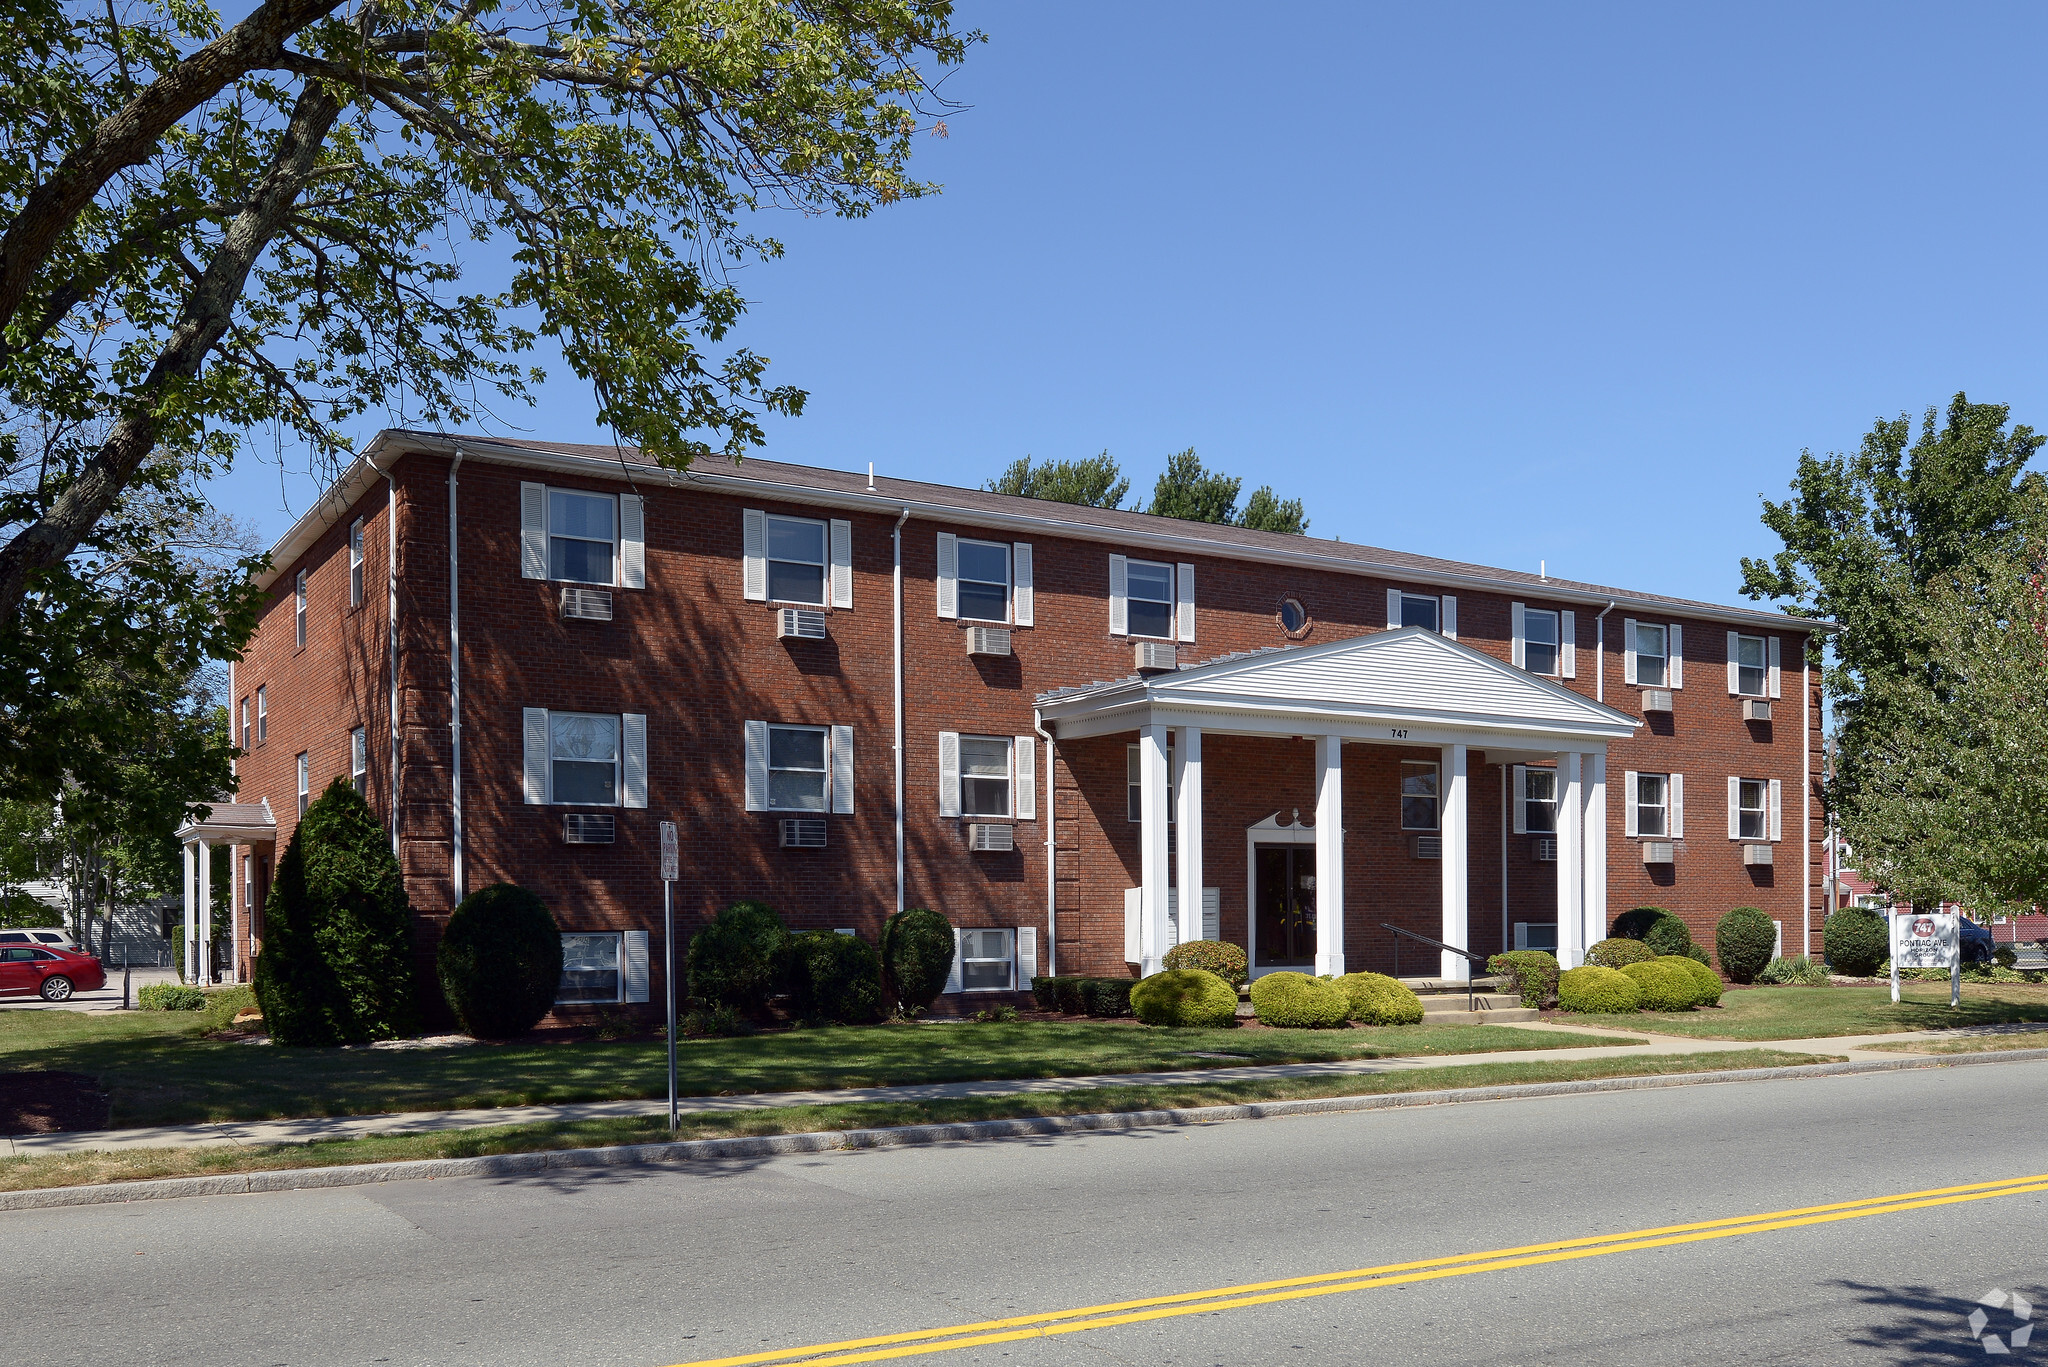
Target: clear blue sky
{"type": "Point", "coordinates": [1499, 283]}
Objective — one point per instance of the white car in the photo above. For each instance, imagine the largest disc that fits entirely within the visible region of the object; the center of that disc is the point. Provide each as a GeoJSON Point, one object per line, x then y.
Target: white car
{"type": "Point", "coordinates": [40, 935]}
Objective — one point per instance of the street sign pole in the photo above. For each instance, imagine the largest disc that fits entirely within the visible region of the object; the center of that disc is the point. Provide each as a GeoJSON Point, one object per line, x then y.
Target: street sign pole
{"type": "Point", "coordinates": [1894, 920]}
{"type": "Point", "coordinates": [670, 859]}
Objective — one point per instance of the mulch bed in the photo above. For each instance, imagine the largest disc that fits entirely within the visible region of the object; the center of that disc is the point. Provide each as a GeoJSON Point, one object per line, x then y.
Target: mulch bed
{"type": "Point", "coordinates": [48, 1103]}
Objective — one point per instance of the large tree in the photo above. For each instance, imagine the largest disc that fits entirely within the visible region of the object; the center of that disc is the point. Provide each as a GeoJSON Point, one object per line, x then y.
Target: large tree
{"type": "Point", "coordinates": [1188, 490]}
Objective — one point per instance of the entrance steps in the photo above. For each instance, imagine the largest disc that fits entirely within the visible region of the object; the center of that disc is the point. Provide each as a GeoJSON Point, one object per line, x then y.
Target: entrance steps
{"type": "Point", "coordinates": [1444, 1003]}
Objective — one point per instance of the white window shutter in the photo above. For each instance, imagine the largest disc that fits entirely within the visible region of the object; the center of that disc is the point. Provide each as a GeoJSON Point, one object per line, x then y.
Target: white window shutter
{"type": "Point", "coordinates": [1777, 809]}
{"type": "Point", "coordinates": [633, 741]}
{"type": "Point", "coordinates": [1393, 609]}
{"type": "Point", "coordinates": [633, 965]}
{"type": "Point", "coordinates": [949, 773]}
{"type": "Point", "coordinates": [842, 563]}
{"type": "Point", "coordinates": [1628, 803]}
{"type": "Point", "coordinates": [1734, 808]}
{"type": "Point", "coordinates": [1020, 584]}
{"type": "Point", "coordinates": [1212, 913]}
{"type": "Point", "coordinates": [1521, 798]}
{"type": "Point", "coordinates": [632, 541]}
{"type": "Point", "coordinates": [1447, 616]}
{"type": "Point", "coordinates": [1568, 644]}
{"type": "Point", "coordinates": [1133, 907]}
{"type": "Point", "coordinates": [949, 575]}
{"type": "Point", "coordinates": [1119, 596]}
{"type": "Point", "coordinates": [536, 754]}
{"type": "Point", "coordinates": [757, 766]}
{"type": "Point", "coordinates": [1734, 663]}
{"type": "Point", "coordinates": [1772, 656]}
{"type": "Point", "coordinates": [1027, 956]}
{"type": "Point", "coordinates": [1628, 658]}
{"type": "Point", "coordinates": [842, 770]}
{"type": "Point", "coordinates": [954, 982]}
{"type": "Point", "coordinates": [533, 531]}
{"type": "Point", "coordinates": [1187, 602]}
{"type": "Point", "coordinates": [1674, 641]}
{"type": "Point", "coordinates": [1677, 792]}
{"type": "Point", "coordinates": [1518, 625]}
{"type": "Point", "coordinates": [754, 555]}
{"type": "Point", "coordinates": [1024, 759]}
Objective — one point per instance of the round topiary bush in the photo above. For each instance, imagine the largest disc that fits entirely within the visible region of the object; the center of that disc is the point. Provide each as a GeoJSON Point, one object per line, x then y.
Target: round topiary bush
{"type": "Point", "coordinates": [1594, 988]}
{"type": "Point", "coordinates": [500, 961]}
{"type": "Point", "coordinates": [1377, 999]}
{"type": "Point", "coordinates": [1297, 1001]}
{"type": "Point", "coordinates": [1227, 961]}
{"type": "Point", "coordinates": [1185, 997]}
{"type": "Point", "coordinates": [1706, 983]}
{"type": "Point", "coordinates": [833, 977]}
{"type": "Point", "coordinates": [1856, 941]}
{"type": "Point", "coordinates": [1664, 988]}
{"type": "Point", "coordinates": [1655, 927]}
{"type": "Point", "coordinates": [1619, 953]}
{"type": "Point", "coordinates": [1531, 973]}
{"type": "Point", "coordinates": [917, 958]}
{"type": "Point", "coordinates": [737, 960]}
{"type": "Point", "coordinates": [1744, 942]}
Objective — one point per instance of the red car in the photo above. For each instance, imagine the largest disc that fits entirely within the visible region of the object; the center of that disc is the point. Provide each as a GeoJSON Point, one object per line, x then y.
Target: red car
{"type": "Point", "coordinates": [52, 973]}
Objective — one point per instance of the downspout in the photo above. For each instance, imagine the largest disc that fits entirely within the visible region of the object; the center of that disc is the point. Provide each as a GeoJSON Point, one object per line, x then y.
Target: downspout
{"type": "Point", "coordinates": [455, 685]}
{"type": "Point", "coordinates": [391, 630]}
{"type": "Point", "coordinates": [1600, 653]}
{"type": "Point", "coordinates": [896, 545]}
{"type": "Point", "coordinates": [1051, 881]}
{"type": "Point", "coordinates": [1506, 943]}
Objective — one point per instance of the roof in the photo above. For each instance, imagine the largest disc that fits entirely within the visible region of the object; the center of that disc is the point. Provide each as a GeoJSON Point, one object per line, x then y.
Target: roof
{"type": "Point", "coordinates": [231, 821]}
{"type": "Point", "coordinates": [978, 507]}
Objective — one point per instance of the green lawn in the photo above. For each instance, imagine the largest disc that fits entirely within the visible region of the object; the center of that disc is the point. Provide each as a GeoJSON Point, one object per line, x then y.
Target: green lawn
{"type": "Point", "coordinates": [1767, 1013]}
{"type": "Point", "coordinates": [1971, 1044]}
{"type": "Point", "coordinates": [60, 1170]}
{"type": "Point", "coordinates": [159, 1070]}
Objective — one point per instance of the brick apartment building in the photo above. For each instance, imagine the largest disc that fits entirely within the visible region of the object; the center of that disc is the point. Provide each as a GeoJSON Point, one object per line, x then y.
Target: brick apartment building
{"type": "Point", "coordinates": [854, 694]}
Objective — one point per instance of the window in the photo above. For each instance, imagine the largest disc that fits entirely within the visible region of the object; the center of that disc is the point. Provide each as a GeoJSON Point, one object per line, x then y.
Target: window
{"type": "Point", "coordinates": [359, 761]}
{"type": "Point", "coordinates": [245, 721]}
{"type": "Point", "coordinates": [355, 563]}
{"type": "Point", "coordinates": [1539, 802]}
{"type": "Point", "coordinates": [1148, 594]}
{"type": "Point", "coordinates": [590, 968]}
{"type": "Point", "coordinates": [984, 777]}
{"type": "Point", "coordinates": [1753, 809]}
{"type": "Point", "coordinates": [1651, 657]}
{"type": "Point", "coordinates": [262, 714]}
{"type": "Point", "coordinates": [1539, 642]}
{"type": "Point", "coordinates": [583, 757]}
{"type": "Point", "coordinates": [1134, 781]}
{"type": "Point", "coordinates": [305, 783]}
{"type": "Point", "coordinates": [796, 768]}
{"type": "Point", "coordinates": [1419, 610]}
{"type": "Point", "coordinates": [796, 560]}
{"type": "Point", "coordinates": [582, 536]}
{"type": "Point", "coordinates": [1752, 679]}
{"type": "Point", "coordinates": [1653, 804]}
{"type": "Point", "coordinates": [1293, 618]}
{"type": "Point", "coordinates": [984, 581]}
{"type": "Point", "coordinates": [299, 605]}
{"type": "Point", "coordinates": [1418, 795]}
{"type": "Point", "coordinates": [985, 958]}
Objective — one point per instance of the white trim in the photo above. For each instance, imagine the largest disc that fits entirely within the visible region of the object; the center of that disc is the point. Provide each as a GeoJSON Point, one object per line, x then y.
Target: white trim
{"type": "Point", "coordinates": [953, 975]}
{"type": "Point", "coordinates": [1777, 801]}
{"type": "Point", "coordinates": [533, 530]}
{"type": "Point", "coordinates": [1567, 644]}
{"type": "Point", "coordinates": [1447, 622]}
{"type": "Point", "coordinates": [1628, 804]}
{"type": "Point", "coordinates": [632, 541]}
{"type": "Point", "coordinates": [948, 575]}
{"type": "Point", "coordinates": [633, 974]}
{"type": "Point", "coordinates": [1119, 595]}
{"type": "Point", "coordinates": [840, 552]}
{"type": "Point", "coordinates": [1393, 609]}
{"type": "Point", "coordinates": [1734, 664]}
{"type": "Point", "coordinates": [1734, 807]}
{"type": "Point", "coordinates": [1674, 654]}
{"type": "Point", "coordinates": [1771, 656]}
{"type": "Point", "coordinates": [756, 744]}
{"type": "Point", "coordinates": [1521, 800]}
{"type": "Point", "coordinates": [842, 771]}
{"type": "Point", "coordinates": [1518, 626]}
{"type": "Point", "coordinates": [1270, 831]}
{"type": "Point", "coordinates": [1628, 656]}
{"type": "Point", "coordinates": [754, 555]}
{"type": "Point", "coordinates": [536, 755]}
{"type": "Point", "coordinates": [633, 759]}
{"type": "Point", "coordinates": [1184, 608]}
{"type": "Point", "coordinates": [949, 773]}
{"type": "Point", "coordinates": [1021, 606]}
{"type": "Point", "coordinates": [1674, 796]}
{"type": "Point", "coordinates": [1024, 778]}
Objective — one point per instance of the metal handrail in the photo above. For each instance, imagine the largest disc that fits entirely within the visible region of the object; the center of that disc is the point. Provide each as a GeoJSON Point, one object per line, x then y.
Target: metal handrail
{"type": "Point", "coordinates": [1466, 954]}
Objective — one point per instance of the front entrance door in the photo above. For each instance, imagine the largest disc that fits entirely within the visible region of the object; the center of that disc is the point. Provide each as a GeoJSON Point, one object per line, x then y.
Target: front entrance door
{"type": "Point", "coordinates": [1286, 900]}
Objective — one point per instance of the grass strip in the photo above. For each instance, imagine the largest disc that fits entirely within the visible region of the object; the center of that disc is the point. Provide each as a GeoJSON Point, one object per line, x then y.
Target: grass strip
{"type": "Point", "coordinates": [1969, 1044]}
{"type": "Point", "coordinates": [1775, 1013]}
{"type": "Point", "coordinates": [130, 1165]}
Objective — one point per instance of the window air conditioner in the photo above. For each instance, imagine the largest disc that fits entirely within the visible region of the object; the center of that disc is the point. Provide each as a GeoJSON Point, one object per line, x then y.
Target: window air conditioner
{"type": "Point", "coordinates": [588, 605]}
{"type": "Point", "coordinates": [803, 833]}
{"type": "Point", "coordinates": [1157, 655]}
{"type": "Point", "coordinates": [988, 641]}
{"type": "Point", "coordinates": [1754, 855]}
{"type": "Point", "coordinates": [1657, 852]}
{"type": "Point", "coordinates": [1427, 846]}
{"type": "Point", "coordinates": [1756, 709]}
{"type": "Point", "coordinates": [989, 837]}
{"type": "Point", "coordinates": [1656, 700]}
{"type": "Point", "coordinates": [1543, 849]}
{"type": "Point", "coordinates": [589, 828]}
{"type": "Point", "coordinates": [806, 624]}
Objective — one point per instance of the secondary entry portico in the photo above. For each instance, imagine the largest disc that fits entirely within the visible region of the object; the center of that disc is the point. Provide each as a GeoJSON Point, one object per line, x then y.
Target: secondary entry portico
{"type": "Point", "coordinates": [1408, 688]}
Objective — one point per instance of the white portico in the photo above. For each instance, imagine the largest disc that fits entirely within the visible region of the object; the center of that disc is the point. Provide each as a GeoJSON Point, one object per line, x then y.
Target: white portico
{"type": "Point", "coordinates": [1406, 688]}
{"type": "Point", "coordinates": [226, 823]}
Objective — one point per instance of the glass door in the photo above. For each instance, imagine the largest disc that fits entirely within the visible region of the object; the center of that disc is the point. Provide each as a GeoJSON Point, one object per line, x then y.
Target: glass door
{"type": "Point", "coordinates": [1285, 882]}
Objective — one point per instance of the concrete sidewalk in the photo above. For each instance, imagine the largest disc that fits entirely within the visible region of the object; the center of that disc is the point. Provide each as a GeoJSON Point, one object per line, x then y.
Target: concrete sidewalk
{"type": "Point", "coordinates": [256, 1133]}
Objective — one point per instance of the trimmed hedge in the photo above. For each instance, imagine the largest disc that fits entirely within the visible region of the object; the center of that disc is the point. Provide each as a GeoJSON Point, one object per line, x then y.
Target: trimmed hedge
{"type": "Point", "coordinates": [833, 977]}
{"type": "Point", "coordinates": [917, 958]}
{"type": "Point", "coordinates": [737, 960]}
{"type": "Point", "coordinates": [1744, 942]}
{"type": "Point", "coordinates": [1185, 997]}
{"type": "Point", "coordinates": [1297, 1001]}
{"type": "Point", "coordinates": [500, 961]}
{"type": "Point", "coordinates": [1656, 927]}
{"type": "Point", "coordinates": [1664, 988]}
{"type": "Point", "coordinates": [169, 997]}
{"type": "Point", "coordinates": [1706, 983]}
{"type": "Point", "coordinates": [1594, 988]}
{"type": "Point", "coordinates": [1227, 961]}
{"type": "Point", "coordinates": [1377, 999]}
{"type": "Point", "coordinates": [1107, 997]}
{"type": "Point", "coordinates": [1855, 941]}
{"type": "Point", "coordinates": [1045, 994]}
{"type": "Point", "coordinates": [1619, 953]}
{"type": "Point", "coordinates": [1530, 972]}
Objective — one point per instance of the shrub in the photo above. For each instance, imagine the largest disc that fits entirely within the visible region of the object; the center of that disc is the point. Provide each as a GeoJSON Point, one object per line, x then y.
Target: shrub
{"type": "Point", "coordinates": [1108, 997]}
{"type": "Point", "coordinates": [1300, 1002]}
{"type": "Point", "coordinates": [995, 1015]}
{"type": "Point", "coordinates": [1799, 972]}
{"type": "Point", "coordinates": [1744, 942]}
{"type": "Point", "coordinates": [1377, 999]}
{"type": "Point", "coordinates": [2005, 956]}
{"type": "Point", "coordinates": [1706, 983]}
{"type": "Point", "coordinates": [834, 977]}
{"type": "Point", "coordinates": [917, 958]}
{"type": "Point", "coordinates": [1619, 953]}
{"type": "Point", "coordinates": [1227, 961]}
{"type": "Point", "coordinates": [737, 960]}
{"type": "Point", "coordinates": [1067, 995]}
{"type": "Point", "coordinates": [1185, 997]}
{"type": "Point", "coordinates": [169, 997]}
{"type": "Point", "coordinates": [1594, 988]}
{"type": "Point", "coordinates": [337, 965]}
{"type": "Point", "coordinates": [1045, 994]}
{"type": "Point", "coordinates": [1698, 954]}
{"type": "Point", "coordinates": [1664, 988]}
{"type": "Point", "coordinates": [715, 1022]}
{"type": "Point", "coordinates": [1655, 927]}
{"type": "Point", "coordinates": [1855, 941]}
{"type": "Point", "coordinates": [500, 961]}
{"type": "Point", "coordinates": [1530, 972]}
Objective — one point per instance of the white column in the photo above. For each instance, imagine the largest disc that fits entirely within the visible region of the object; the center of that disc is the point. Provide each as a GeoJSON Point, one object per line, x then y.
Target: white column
{"type": "Point", "coordinates": [1571, 925]}
{"type": "Point", "coordinates": [1596, 847]}
{"type": "Point", "coordinates": [1187, 788]}
{"type": "Point", "coordinates": [189, 932]}
{"type": "Point", "coordinates": [1330, 856]}
{"type": "Point", "coordinates": [1154, 873]}
{"type": "Point", "coordinates": [205, 959]}
{"type": "Point", "coordinates": [1455, 826]}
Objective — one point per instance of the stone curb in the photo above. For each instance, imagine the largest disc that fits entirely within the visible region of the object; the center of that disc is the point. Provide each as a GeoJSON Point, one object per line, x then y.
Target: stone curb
{"type": "Point", "coordinates": [768, 1146]}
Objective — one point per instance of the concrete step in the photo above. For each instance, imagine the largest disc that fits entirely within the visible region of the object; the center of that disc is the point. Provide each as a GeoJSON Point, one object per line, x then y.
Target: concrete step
{"type": "Point", "coordinates": [1482, 1003]}
{"type": "Point", "coordinates": [1507, 1015]}
{"type": "Point", "coordinates": [1428, 987]}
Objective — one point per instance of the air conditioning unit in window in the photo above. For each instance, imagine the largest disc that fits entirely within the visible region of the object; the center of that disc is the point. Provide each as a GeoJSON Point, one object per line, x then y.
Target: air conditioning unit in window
{"type": "Point", "coordinates": [1656, 700]}
{"type": "Point", "coordinates": [1543, 849]}
{"type": "Point", "coordinates": [804, 624]}
{"type": "Point", "coordinates": [1756, 709]}
{"type": "Point", "coordinates": [990, 838]}
{"type": "Point", "coordinates": [587, 605]}
{"type": "Point", "coordinates": [988, 641]}
{"type": "Point", "coordinates": [1157, 655]}
{"type": "Point", "coordinates": [1754, 855]}
{"type": "Point", "coordinates": [803, 833]}
{"type": "Point", "coordinates": [1426, 846]}
{"type": "Point", "coordinates": [589, 828]}
{"type": "Point", "coordinates": [1657, 852]}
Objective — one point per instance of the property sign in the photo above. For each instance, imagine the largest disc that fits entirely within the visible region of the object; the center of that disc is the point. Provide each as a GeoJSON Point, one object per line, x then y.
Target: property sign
{"type": "Point", "coordinates": [1926, 939]}
{"type": "Point", "coordinates": [671, 854]}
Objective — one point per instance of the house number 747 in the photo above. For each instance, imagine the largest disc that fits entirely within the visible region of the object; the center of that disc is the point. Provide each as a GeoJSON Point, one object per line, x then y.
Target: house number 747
{"type": "Point", "coordinates": [1398, 732]}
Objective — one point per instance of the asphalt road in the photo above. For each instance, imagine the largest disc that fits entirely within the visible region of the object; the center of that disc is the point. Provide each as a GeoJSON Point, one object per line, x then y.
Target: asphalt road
{"type": "Point", "coordinates": [649, 1267]}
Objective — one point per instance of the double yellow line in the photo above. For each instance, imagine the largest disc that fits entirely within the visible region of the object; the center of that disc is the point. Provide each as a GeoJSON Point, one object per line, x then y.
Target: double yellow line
{"type": "Point", "coordinates": [882, 1347]}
